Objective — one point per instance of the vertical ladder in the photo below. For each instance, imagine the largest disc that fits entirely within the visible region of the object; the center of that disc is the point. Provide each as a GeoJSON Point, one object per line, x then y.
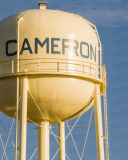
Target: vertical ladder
{"type": "Point", "coordinates": [105, 114]}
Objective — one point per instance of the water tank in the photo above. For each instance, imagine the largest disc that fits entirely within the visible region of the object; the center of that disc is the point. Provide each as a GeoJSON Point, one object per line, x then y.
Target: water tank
{"type": "Point", "coordinates": [59, 54]}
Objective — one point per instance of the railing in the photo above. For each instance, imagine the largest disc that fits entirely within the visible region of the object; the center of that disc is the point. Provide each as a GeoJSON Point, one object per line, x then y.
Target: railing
{"type": "Point", "coordinates": [44, 65]}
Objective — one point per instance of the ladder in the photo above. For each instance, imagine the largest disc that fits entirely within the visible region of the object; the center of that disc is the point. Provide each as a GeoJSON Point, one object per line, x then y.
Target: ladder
{"type": "Point", "coordinates": [105, 114]}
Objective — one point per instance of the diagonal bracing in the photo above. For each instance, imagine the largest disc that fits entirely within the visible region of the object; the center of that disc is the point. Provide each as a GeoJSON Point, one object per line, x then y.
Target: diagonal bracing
{"type": "Point", "coordinates": [45, 121]}
{"type": "Point", "coordinates": [4, 148]}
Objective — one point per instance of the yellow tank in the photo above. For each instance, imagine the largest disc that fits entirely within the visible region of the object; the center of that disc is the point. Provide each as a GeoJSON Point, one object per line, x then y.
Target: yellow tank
{"type": "Point", "coordinates": [59, 54]}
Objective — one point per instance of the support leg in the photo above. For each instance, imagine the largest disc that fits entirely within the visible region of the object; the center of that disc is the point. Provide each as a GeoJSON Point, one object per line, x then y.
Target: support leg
{"type": "Point", "coordinates": [23, 120]}
{"type": "Point", "coordinates": [98, 121]}
{"type": "Point", "coordinates": [61, 134]}
{"type": "Point", "coordinates": [43, 141]}
{"type": "Point", "coordinates": [17, 105]}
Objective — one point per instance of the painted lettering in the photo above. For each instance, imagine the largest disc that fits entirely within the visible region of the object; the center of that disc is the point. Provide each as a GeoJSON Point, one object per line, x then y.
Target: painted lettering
{"type": "Point", "coordinates": [37, 41]}
{"type": "Point", "coordinates": [26, 48]}
{"type": "Point", "coordinates": [92, 52]}
{"type": "Point", "coordinates": [75, 47]}
{"type": "Point", "coordinates": [7, 43]}
{"type": "Point", "coordinates": [86, 50]}
{"type": "Point", "coordinates": [53, 45]}
{"type": "Point", "coordinates": [81, 50]}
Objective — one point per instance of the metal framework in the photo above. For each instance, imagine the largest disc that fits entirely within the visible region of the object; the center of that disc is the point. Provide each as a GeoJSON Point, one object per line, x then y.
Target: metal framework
{"type": "Point", "coordinates": [90, 71]}
{"type": "Point", "coordinates": [105, 115]}
{"type": "Point", "coordinates": [52, 66]}
{"type": "Point", "coordinates": [103, 80]}
{"type": "Point", "coordinates": [70, 130]}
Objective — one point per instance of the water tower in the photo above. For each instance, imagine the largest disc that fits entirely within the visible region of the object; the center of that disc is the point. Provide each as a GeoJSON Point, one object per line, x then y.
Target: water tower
{"type": "Point", "coordinates": [51, 72]}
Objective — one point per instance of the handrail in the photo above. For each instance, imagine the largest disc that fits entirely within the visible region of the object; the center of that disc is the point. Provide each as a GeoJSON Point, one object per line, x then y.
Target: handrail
{"type": "Point", "coordinates": [51, 64]}
{"type": "Point", "coordinates": [48, 59]}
